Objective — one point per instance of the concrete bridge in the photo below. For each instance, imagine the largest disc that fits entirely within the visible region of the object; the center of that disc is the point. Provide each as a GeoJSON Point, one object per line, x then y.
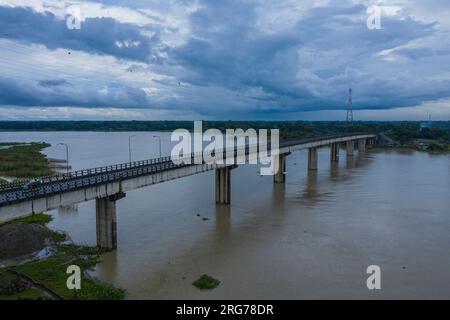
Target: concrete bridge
{"type": "Point", "coordinates": [106, 185]}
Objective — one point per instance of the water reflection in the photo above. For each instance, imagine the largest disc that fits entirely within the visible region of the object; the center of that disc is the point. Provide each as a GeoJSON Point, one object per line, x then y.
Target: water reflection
{"type": "Point", "coordinates": [278, 197]}
{"type": "Point", "coordinates": [68, 210]}
{"type": "Point", "coordinates": [350, 161]}
{"type": "Point", "coordinates": [223, 221]}
{"type": "Point", "coordinates": [310, 192]}
{"type": "Point", "coordinates": [334, 170]}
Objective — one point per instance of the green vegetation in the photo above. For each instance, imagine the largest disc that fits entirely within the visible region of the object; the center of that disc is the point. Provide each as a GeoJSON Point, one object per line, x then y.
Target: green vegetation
{"type": "Point", "coordinates": [10, 282]}
{"type": "Point", "coordinates": [400, 131]}
{"type": "Point", "coordinates": [39, 218]}
{"type": "Point", "coordinates": [29, 294]}
{"type": "Point", "coordinates": [206, 282]}
{"type": "Point", "coordinates": [434, 146]}
{"type": "Point", "coordinates": [43, 219]}
{"type": "Point", "coordinates": [51, 272]}
{"type": "Point", "coordinates": [24, 160]}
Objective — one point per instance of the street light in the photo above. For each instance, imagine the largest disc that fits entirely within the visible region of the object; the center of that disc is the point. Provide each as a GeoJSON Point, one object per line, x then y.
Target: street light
{"type": "Point", "coordinates": [129, 146]}
{"type": "Point", "coordinates": [159, 138]}
{"type": "Point", "coordinates": [67, 155]}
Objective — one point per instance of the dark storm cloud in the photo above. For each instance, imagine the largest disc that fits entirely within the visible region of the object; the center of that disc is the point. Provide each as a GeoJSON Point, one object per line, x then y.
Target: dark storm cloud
{"type": "Point", "coordinates": [227, 49]}
{"type": "Point", "coordinates": [13, 92]}
{"type": "Point", "coordinates": [240, 58]}
{"type": "Point", "coordinates": [103, 36]}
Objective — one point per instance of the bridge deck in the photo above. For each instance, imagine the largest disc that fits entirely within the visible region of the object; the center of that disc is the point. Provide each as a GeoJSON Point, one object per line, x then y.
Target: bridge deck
{"type": "Point", "coordinates": [62, 183]}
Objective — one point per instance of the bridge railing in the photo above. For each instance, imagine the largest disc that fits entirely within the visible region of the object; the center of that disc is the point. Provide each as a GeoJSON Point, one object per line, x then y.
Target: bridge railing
{"type": "Point", "coordinates": [87, 181]}
{"type": "Point", "coordinates": [85, 172]}
{"type": "Point", "coordinates": [144, 163]}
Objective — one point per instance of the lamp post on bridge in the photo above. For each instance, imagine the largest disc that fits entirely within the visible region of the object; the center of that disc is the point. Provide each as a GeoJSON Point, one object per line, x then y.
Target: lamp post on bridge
{"type": "Point", "coordinates": [129, 145]}
{"type": "Point", "coordinates": [67, 155]}
{"type": "Point", "coordinates": [159, 139]}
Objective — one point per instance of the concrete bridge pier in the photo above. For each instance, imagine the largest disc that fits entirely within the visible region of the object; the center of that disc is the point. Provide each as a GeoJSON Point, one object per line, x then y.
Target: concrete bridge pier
{"type": "Point", "coordinates": [107, 221]}
{"type": "Point", "coordinates": [280, 176]}
{"type": "Point", "coordinates": [312, 159]}
{"type": "Point", "coordinates": [334, 152]}
{"type": "Point", "coordinates": [350, 147]}
{"type": "Point", "coordinates": [223, 185]}
{"type": "Point", "coordinates": [362, 145]}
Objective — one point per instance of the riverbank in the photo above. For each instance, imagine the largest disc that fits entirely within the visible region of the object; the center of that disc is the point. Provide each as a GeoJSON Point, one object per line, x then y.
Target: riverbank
{"type": "Point", "coordinates": [429, 145]}
{"type": "Point", "coordinates": [23, 160]}
{"type": "Point", "coordinates": [34, 258]}
{"type": "Point", "coordinates": [422, 145]}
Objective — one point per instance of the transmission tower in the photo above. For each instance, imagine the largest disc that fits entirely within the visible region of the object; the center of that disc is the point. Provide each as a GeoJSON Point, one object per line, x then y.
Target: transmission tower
{"type": "Point", "coordinates": [350, 107]}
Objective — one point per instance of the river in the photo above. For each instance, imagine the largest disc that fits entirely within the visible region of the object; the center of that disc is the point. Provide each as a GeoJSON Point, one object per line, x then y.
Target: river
{"type": "Point", "coordinates": [312, 238]}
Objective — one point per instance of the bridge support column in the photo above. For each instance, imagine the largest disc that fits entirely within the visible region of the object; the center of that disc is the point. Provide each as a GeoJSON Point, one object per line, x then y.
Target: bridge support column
{"type": "Point", "coordinates": [223, 185]}
{"type": "Point", "coordinates": [280, 176]}
{"type": "Point", "coordinates": [334, 152]}
{"type": "Point", "coordinates": [312, 159]}
{"type": "Point", "coordinates": [107, 221]}
{"type": "Point", "coordinates": [350, 147]}
{"type": "Point", "coordinates": [362, 145]}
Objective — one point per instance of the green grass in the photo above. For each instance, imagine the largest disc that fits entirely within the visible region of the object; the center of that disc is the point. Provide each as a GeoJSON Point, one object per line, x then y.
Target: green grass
{"type": "Point", "coordinates": [56, 236]}
{"type": "Point", "coordinates": [30, 294]}
{"type": "Point", "coordinates": [24, 160]}
{"type": "Point", "coordinates": [38, 218]}
{"type": "Point", "coordinates": [52, 273]}
{"type": "Point", "coordinates": [206, 282]}
{"type": "Point", "coordinates": [27, 161]}
{"type": "Point", "coordinates": [43, 219]}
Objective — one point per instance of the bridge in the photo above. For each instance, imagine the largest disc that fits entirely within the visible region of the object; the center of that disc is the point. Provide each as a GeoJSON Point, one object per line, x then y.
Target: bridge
{"type": "Point", "coordinates": [106, 185]}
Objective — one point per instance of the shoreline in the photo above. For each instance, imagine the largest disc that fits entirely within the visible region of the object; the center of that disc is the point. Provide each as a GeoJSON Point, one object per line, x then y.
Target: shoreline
{"type": "Point", "coordinates": [22, 270]}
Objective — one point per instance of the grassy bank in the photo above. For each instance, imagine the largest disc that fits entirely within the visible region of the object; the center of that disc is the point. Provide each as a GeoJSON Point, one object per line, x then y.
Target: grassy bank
{"type": "Point", "coordinates": [28, 293]}
{"type": "Point", "coordinates": [50, 273]}
{"type": "Point", "coordinates": [23, 160]}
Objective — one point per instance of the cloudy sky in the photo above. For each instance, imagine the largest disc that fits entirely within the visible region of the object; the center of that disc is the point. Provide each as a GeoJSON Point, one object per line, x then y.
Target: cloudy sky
{"type": "Point", "coordinates": [227, 59]}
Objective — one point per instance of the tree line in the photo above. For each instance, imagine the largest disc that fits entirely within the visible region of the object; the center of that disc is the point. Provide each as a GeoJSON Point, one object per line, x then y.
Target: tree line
{"type": "Point", "coordinates": [397, 130]}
